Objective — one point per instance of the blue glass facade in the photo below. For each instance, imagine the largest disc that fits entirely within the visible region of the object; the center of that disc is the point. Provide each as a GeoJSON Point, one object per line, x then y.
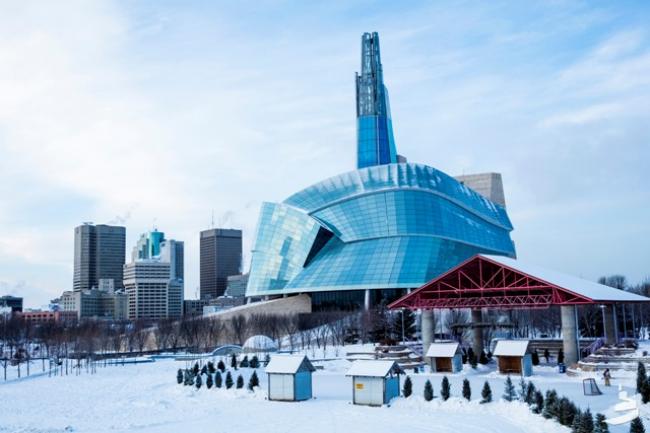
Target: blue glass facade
{"type": "Point", "coordinates": [388, 226]}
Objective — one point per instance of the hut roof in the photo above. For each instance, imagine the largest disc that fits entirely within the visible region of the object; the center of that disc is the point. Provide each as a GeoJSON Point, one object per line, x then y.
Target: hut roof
{"type": "Point", "coordinates": [442, 350]}
{"type": "Point", "coordinates": [511, 348]}
{"type": "Point", "coordinates": [287, 364]}
{"type": "Point", "coordinates": [374, 368]}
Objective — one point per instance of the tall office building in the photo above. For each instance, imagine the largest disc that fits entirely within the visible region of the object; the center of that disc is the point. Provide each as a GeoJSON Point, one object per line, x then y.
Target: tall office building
{"type": "Point", "coordinates": [221, 256]}
{"type": "Point", "coordinates": [152, 295]}
{"type": "Point", "coordinates": [99, 252]}
{"type": "Point", "coordinates": [375, 141]}
{"type": "Point", "coordinates": [173, 252]}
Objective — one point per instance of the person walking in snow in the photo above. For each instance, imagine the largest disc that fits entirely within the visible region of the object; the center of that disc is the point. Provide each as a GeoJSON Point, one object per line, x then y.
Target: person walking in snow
{"type": "Point", "coordinates": [607, 377]}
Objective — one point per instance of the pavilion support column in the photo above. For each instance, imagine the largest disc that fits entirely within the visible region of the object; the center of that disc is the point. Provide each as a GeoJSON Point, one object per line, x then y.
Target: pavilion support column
{"type": "Point", "coordinates": [569, 334]}
{"type": "Point", "coordinates": [427, 328]}
{"type": "Point", "coordinates": [609, 324]}
{"type": "Point", "coordinates": [477, 332]}
{"type": "Point", "coordinates": [366, 300]}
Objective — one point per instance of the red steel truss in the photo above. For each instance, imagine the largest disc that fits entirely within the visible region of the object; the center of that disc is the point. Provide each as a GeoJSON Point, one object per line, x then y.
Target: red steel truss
{"type": "Point", "coordinates": [482, 283]}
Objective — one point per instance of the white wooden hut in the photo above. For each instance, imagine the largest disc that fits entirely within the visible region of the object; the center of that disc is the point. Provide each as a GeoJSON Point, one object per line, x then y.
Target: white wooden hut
{"type": "Point", "coordinates": [374, 382]}
{"type": "Point", "coordinates": [513, 357]}
{"type": "Point", "coordinates": [289, 378]}
{"type": "Point", "coordinates": [445, 357]}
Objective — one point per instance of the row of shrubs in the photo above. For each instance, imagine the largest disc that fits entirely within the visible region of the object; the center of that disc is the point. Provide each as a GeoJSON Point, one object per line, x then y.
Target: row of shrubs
{"type": "Point", "coordinates": [560, 409]}
{"type": "Point", "coordinates": [190, 377]}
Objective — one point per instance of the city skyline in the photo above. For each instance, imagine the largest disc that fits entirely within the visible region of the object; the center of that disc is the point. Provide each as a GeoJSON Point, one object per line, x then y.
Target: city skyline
{"type": "Point", "coordinates": [215, 105]}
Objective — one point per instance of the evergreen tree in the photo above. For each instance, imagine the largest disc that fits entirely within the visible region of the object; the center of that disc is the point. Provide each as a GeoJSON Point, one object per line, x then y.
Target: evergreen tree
{"type": "Point", "coordinates": [428, 390]}
{"type": "Point", "coordinates": [636, 426]}
{"type": "Point", "coordinates": [240, 382]}
{"type": "Point", "coordinates": [641, 377]}
{"type": "Point", "coordinates": [253, 381]}
{"type": "Point", "coordinates": [522, 389]}
{"type": "Point", "coordinates": [407, 319]}
{"type": "Point", "coordinates": [547, 355]}
{"type": "Point", "coordinates": [179, 376]}
{"type": "Point", "coordinates": [221, 366]}
{"type": "Point", "coordinates": [472, 361]}
{"type": "Point", "coordinates": [529, 398]}
{"type": "Point", "coordinates": [538, 406]}
{"type": "Point", "coordinates": [486, 393]}
{"type": "Point", "coordinates": [567, 412]}
{"type": "Point", "coordinates": [445, 389]}
{"type": "Point", "coordinates": [255, 362]}
{"type": "Point", "coordinates": [267, 359]}
{"type": "Point", "coordinates": [483, 359]}
{"type": "Point", "coordinates": [244, 362]}
{"type": "Point", "coordinates": [211, 368]}
{"type": "Point", "coordinates": [600, 426]}
{"type": "Point", "coordinates": [509, 393]}
{"type": "Point", "coordinates": [645, 392]}
{"type": "Point", "coordinates": [586, 422]}
{"type": "Point", "coordinates": [198, 382]}
{"type": "Point", "coordinates": [189, 378]}
{"type": "Point", "coordinates": [233, 361]}
{"type": "Point", "coordinates": [550, 405]}
{"type": "Point", "coordinates": [560, 356]}
{"type": "Point", "coordinates": [217, 379]}
{"type": "Point", "coordinates": [467, 391]}
{"type": "Point", "coordinates": [575, 425]}
{"type": "Point", "coordinates": [204, 369]}
{"type": "Point", "coordinates": [229, 381]}
{"type": "Point", "coordinates": [470, 354]}
{"type": "Point", "coordinates": [195, 369]}
{"type": "Point", "coordinates": [407, 390]}
{"type": "Point", "coordinates": [535, 357]}
{"type": "Point", "coordinates": [209, 381]}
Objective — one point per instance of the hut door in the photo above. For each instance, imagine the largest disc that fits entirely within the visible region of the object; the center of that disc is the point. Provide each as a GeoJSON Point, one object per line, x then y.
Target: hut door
{"type": "Point", "coordinates": [281, 386]}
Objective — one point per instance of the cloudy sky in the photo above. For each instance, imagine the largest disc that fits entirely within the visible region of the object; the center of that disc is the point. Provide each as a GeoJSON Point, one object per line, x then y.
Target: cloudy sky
{"type": "Point", "coordinates": [156, 113]}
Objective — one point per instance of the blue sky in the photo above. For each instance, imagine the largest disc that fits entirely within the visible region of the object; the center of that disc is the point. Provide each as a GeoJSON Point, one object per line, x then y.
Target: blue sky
{"type": "Point", "coordinates": [160, 113]}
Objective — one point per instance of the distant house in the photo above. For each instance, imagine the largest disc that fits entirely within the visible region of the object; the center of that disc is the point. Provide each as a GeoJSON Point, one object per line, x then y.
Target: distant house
{"type": "Point", "coordinates": [445, 357]}
{"type": "Point", "coordinates": [374, 383]}
{"type": "Point", "coordinates": [289, 378]}
{"type": "Point", "coordinates": [513, 357]}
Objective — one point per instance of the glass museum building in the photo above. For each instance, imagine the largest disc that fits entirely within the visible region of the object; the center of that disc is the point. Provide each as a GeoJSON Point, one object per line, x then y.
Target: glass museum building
{"type": "Point", "coordinates": [375, 232]}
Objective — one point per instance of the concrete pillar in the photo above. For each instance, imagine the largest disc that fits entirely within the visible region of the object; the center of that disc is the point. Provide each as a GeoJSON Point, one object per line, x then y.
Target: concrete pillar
{"type": "Point", "coordinates": [366, 300]}
{"type": "Point", "coordinates": [477, 332]}
{"type": "Point", "coordinates": [427, 329]}
{"type": "Point", "coordinates": [569, 334]}
{"type": "Point", "coordinates": [608, 324]}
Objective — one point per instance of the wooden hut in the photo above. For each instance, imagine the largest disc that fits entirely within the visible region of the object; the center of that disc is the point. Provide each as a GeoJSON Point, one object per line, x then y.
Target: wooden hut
{"type": "Point", "coordinates": [445, 357]}
{"type": "Point", "coordinates": [289, 378]}
{"type": "Point", "coordinates": [374, 382]}
{"type": "Point", "coordinates": [513, 357]}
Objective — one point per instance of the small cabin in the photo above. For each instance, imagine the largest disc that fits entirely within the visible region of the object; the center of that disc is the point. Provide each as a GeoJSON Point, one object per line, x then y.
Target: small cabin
{"type": "Point", "coordinates": [289, 378]}
{"type": "Point", "coordinates": [374, 382]}
{"type": "Point", "coordinates": [445, 357]}
{"type": "Point", "coordinates": [513, 357]}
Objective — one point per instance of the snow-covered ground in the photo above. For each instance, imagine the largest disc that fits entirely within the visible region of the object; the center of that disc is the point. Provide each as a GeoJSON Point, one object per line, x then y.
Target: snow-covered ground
{"type": "Point", "coordinates": [146, 398]}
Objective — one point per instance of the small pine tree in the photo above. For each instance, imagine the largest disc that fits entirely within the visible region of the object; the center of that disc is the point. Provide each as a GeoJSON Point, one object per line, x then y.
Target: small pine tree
{"type": "Point", "coordinates": [209, 382]}
{"type": "Point", "coordinates": [195, 369]}
{"type": "Point", "coordinates": [179, 376]}
{"type": "Point", "coordinates": [221, 366]}
{"type": "Point", "coordinates": [641, 377]}
{"type": "Point", "coordinates": [509, 393]}
{"type": "Point", "coordinates": [407, 390]}
{"type": "Point", "coordinates": [244, 362]}
{"type": "Point", "coordinates": [218, 379]}
{"type": "Point", "coordinates": [467, 390]}
{"type": "Point", "coordinates": [547, 355]}
{"type": "Point", "coordinates": [267, 359]}
{"type": "Point", "coordinates": [204, 369]}
{"type": "Point", "coordinates": [538, 406]}
{"type": "Point", "coordinates": [586, 422]}
{"type": "Point", "coordinates": [445, 389]}
{"type": "Point", "coordinates": [483, 359]}
{"type": "Point", "coordinates": [428, 391]}
{"type": "Point", "coordinates": [550, 405]}
{"type": "Point", "coordinates": [470, 354]}
{"type": "Point", "coordinates": [255, 362]}
{"type": "Point", "coordinates": [535, 357]}
{"type": "Point", "coordinates": [575, 425]}
{"type": "Point", "coordinates": [189, 378]}
{"type": "Point", "coordinates": [229, 381]}
{"type": "Point", "coordinates": [253, 381]}
{"type": "Point", "coordinates": [240, 382]}
{"type": "Point", "coordinates": [522, 389]}
{"type": "Point", "coordinates": [198, 382]}
{"type": "Point", "coordinates": [645, 392]}
{"type": "Point", "coordinates": [486, 393]}
{"type": "Point", "coordinates": [529, 398]}
{"type": "Point", "coordinates": [600, 426]}
{"type": "Point", "coordinates": [233, 361]}
{"type": "Point", "coordinates": [568, 412]}
{"type": "Point", "coordinates": [636, 426]}
{"type": "Point", "coordinates": [211, 368]}
{"type": "Point", "coordinates": [471, 358]}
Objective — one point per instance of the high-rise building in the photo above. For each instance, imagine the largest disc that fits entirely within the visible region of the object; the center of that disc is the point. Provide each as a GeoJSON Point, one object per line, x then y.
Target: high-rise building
{"type": "Point", "coordinates": [15, 303]}
{"type": "Point", "coordinates": [173, 252]}
{"type": "Point", "coordinates": [221, 256]}
{"type": "Point", "coordinates": [99, 252]}
{"type": "Point", "coordinates": [148, 246]}
{"type": "Point", "coordinates": [375, 141]}
{"type": "Point", "coordinates": [102, 302]}
{"type": "Point", "coordinates": [151, 293]}
{"type": "Point", "coordinates": [489, 185]}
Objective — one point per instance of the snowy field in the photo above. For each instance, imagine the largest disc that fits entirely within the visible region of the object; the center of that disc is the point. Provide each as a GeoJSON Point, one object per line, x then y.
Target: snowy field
{"type": "Point", "coordinates": [146, 398]}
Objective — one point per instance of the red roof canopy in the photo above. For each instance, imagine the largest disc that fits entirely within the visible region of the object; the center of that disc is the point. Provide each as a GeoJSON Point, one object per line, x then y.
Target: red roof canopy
{"type": "Point", "coordinates": [499, 282]}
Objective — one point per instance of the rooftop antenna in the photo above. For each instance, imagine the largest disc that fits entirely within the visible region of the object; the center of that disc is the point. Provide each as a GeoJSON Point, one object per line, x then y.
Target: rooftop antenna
{"type": "Point", "coordinates": [212, 220]}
